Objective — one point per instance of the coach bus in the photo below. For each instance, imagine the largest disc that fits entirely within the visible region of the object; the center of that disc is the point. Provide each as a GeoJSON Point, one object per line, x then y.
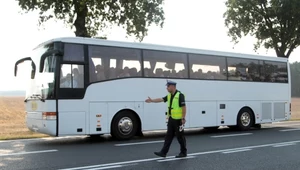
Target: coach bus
{"type": "Point", "coordinates": [87, 86]}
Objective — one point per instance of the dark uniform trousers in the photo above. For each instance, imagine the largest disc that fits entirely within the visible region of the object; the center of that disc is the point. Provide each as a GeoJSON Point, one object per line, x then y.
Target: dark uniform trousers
{"type": "Point", "coordinates": [173, 129]}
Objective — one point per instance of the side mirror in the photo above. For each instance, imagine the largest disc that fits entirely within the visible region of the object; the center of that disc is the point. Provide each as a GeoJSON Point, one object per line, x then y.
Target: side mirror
{"type": "Point", "coordinates": [19, 62]}
{"type": "Point", "coordinates": [47, 54]}
{"type": "Point", "coordinates": [33, 70]}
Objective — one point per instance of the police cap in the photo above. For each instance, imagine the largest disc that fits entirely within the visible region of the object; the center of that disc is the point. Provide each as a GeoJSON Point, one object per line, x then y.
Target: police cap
{"type": "Point", "coordinates": [171, 83]}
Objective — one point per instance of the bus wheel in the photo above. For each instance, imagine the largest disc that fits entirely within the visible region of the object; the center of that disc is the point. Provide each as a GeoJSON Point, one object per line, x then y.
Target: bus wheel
{"type": "Point", "coordinates": [124, 125]}
{"type": "Point", "coordinates": [245, 119]}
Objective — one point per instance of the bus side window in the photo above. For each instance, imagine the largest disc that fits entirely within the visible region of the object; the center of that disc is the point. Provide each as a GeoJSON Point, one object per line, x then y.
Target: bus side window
{"type": "Point", "coordinates": [243, 69]}
{"type": "Point", "coordinates": [165, 64]}
{"type": "Point", "coordinates": [72, 76]}
{"type": "Point", "coordinates": [207, 67]}
{"type": "Point", "coordinates": [108, 63]}
{"type": "Point", "coordinates": [275, 72]}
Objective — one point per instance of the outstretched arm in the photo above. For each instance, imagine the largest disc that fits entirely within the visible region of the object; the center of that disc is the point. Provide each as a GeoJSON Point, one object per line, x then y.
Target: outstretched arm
{"type": "Point", "coordinates": [157, 100]}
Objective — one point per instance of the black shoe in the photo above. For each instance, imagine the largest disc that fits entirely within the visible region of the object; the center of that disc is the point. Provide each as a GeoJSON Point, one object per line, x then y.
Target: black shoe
{"type": "Point", "coordinates": [160, 154]}
{"type": "Point", "coordinates": [181, 155]}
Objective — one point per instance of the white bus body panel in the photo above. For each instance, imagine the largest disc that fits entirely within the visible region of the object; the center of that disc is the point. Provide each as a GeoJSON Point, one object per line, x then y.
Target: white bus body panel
{"type": "Point", "coordinates": [97, 118]}
{"type": "Point", "coordinates": [154, 115]}
{"type": "Point", "coordinates": [34, 116]}
{"type": "Point", "coordinates": [200, 96]}
{"type": "Point", "coordinates": [269, 102]}
{"type": "Point", "coordinates": [201, 113]}
{"type": "Point", "coordinates": [72, 117]}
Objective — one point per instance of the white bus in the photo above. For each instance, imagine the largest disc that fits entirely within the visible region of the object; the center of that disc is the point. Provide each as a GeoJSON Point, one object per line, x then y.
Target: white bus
{"type": "Point", "coordinates": [111, 80]}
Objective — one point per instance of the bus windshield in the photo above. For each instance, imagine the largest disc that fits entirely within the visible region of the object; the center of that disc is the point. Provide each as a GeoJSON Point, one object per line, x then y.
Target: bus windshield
{"type": "Point", "coordinates": [42, 85]}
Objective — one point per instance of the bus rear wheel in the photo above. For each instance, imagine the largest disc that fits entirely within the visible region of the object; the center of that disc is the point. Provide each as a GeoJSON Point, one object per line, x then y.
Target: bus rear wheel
{"type": "Point", "coordinates": [124, 125]}
{"type": "Point", "coordinates": [245, 119]}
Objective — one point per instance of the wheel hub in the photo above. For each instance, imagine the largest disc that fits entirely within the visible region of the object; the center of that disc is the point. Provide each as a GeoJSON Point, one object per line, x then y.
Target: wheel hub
{"type": "Point", "coordinates": [125, 125]}
{"type": "Point", "coordinates": [245, 119]}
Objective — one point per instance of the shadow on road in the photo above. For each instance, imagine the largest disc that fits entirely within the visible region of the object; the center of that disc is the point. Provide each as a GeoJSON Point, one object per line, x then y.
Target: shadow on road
{"type": "Point", "coordinates": [153, 135]}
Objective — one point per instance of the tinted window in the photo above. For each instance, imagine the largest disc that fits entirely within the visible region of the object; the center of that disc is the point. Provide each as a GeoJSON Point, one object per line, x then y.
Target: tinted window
{"type": "Point", "coordinates": [207, 67]}
{"type": "Point", "coordinates": [275, 72]}
{"type": "Point", "coordinates": [243, 69]}
{"type": "Point", "coordinates": [261, 72]}
{"type": "Point", "coordinates": [165, 64]}
{"type": "Point", "coordinates": [73, 52]}
{"type": "Point", "coordinates": [72, 76]}
{"type": "Point", "coordinates": [112, 62]}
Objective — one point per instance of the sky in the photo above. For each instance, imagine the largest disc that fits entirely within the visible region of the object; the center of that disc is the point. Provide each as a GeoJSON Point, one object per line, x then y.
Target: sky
{"type": "Point", "coordinates": [194, 23]}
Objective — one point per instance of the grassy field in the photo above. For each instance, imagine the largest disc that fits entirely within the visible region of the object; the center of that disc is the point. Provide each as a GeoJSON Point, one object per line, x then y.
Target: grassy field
{"type": "Point", "coordinates": [12, 118]}
{"type": "Point", "coordinates": [296, 108]}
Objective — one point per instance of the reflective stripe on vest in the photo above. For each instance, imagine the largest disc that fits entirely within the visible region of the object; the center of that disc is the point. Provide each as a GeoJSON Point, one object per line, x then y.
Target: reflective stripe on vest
{"type": "Point", "coordinates": [176, 111]}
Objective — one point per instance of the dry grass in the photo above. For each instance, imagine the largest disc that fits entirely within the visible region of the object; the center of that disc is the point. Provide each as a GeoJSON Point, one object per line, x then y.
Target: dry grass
{"type": "Point", "coordinates": [12, 118]}
{"type": "Point", "coordinates": [295, 108]}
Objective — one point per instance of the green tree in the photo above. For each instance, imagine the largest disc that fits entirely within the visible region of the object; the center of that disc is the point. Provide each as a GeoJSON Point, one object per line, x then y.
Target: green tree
{"type": "Point", "coordinates": [90, 16]}
{"type": "Point", "coordinates": [274, 23]}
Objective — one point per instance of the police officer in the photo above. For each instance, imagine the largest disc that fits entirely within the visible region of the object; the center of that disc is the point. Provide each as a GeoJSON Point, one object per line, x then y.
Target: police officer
{"type": "Point", "coordinates": [176, 113]}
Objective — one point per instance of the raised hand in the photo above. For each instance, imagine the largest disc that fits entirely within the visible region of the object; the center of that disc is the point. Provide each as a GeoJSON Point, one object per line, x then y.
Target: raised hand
{"type": "Point", "coordinates": [148, 100]}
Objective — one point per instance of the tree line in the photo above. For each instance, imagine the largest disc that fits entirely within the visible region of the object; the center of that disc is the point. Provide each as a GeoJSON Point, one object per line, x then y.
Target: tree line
{"type": "Point", "coordinates": [274, 23]}
{"type": "Point", "coordinates": [295, 79]}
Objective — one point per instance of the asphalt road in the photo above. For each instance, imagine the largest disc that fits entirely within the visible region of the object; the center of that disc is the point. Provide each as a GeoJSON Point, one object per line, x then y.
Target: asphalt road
{"type": "Point", "coordinates": [274, 146]}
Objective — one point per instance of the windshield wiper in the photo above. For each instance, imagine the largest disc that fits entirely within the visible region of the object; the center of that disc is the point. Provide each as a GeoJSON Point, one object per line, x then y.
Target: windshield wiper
{"type": "Point", "coordinates": [35, 96]}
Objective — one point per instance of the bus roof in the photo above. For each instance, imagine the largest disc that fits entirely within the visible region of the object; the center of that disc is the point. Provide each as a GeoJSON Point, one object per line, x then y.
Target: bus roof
{"type": "Point", "coordinates": [148, 46]}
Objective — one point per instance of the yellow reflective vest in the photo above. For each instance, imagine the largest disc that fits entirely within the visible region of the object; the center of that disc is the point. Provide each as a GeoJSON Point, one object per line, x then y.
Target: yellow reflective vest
{"type": "Point", "coordinates": [176, 110]}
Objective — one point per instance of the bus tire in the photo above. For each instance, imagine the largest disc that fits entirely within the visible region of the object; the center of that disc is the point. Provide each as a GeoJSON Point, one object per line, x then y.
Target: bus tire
{"type": "Point", "coordinates": [124, 125]}
{"type": "Point", "coordinates": [245, 119]}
